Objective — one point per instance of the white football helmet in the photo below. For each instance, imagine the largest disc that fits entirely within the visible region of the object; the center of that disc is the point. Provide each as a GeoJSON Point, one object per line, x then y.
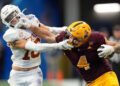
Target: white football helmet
{"type": "Point", "coordinates": [6, 11]}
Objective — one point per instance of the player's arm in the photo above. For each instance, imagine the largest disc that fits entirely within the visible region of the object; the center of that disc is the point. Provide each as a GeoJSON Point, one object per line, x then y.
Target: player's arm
{"type": "Point", "coordinates": [106, 50]}
{"type": "Point", "coordinates": [43, 31]}
{"type": "Point", "coordinates": [10, 36]}
{"type": "Point", "coordinates": [41, 47]}
{"type": "Point", "coordinates": [54, 30]}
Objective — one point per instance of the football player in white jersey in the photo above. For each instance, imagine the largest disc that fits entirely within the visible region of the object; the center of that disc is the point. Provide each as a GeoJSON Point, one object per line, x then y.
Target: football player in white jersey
{"type": "Point", "coordinates": [25, 68]}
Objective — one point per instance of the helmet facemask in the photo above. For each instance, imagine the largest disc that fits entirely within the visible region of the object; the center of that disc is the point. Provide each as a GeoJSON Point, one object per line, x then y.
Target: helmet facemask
{"type": "Point", "coordinates": [12, 19]}
{"type": "Point", "coordinates": [75, 40]}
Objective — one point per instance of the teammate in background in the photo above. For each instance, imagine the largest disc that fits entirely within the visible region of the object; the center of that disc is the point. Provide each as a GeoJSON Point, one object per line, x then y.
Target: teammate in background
{"type": "Point", "coordinates": [95, 71]}
{"type": "Point", "coordinates": [25, 68]}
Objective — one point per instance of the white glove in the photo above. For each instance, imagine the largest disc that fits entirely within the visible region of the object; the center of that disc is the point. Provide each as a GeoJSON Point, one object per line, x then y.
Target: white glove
{"type": "Point", "coordinates": [105, 51]}
{"type": "Point", "coordinates": [33, 19]}
{"type": "Point", "coordinates": [64, 45]}
{"type": "Point", "coordinates": [23, 22]}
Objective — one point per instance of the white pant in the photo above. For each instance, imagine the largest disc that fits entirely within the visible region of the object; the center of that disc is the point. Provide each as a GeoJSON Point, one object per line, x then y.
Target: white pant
{"type": "Point", "coordinates": [26, 78]}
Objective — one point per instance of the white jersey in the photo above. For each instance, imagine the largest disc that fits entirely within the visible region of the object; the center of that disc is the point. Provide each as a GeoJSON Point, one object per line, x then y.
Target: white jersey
{"type": "Point", "coordinates": [21, 57]}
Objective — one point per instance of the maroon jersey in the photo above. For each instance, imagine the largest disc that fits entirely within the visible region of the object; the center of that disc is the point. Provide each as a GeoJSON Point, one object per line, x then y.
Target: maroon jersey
{"type": "Point", "coordinates": [85, 58]}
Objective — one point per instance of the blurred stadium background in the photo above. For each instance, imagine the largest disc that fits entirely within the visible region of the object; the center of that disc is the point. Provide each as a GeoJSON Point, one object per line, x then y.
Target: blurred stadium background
{"type": "Point", "coordinates": [102, 15]}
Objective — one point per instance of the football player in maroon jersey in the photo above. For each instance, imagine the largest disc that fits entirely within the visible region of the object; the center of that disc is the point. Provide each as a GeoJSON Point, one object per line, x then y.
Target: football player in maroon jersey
{"type": "Point", "coordinates": [95, 71]}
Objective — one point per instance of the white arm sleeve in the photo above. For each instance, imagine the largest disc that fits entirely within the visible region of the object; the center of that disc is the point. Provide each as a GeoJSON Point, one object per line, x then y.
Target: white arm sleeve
{"type": "Point", "coordinates": [41, 47]}
{"type": "Point", "coordinates": [57, 30]}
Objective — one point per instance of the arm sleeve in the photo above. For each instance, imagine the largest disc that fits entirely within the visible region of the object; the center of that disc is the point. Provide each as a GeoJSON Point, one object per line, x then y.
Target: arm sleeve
{"type": "Point", "coordinates": [57, 30]}
{"type": "Point", "coordinates": [11, 35]}
{"type": "Point", "coordinates": [41, 47]}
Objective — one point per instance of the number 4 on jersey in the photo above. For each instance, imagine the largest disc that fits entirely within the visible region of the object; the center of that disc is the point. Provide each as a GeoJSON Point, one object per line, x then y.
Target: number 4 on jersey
{"type": "Point", "coordinates": [82, 63]}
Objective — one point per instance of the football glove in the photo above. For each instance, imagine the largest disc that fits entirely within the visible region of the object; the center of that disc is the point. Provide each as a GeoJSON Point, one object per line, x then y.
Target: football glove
{"type": "Point", "coordinates": [65, 45]}
{"type": "Point", "coordinates": [105, 51]}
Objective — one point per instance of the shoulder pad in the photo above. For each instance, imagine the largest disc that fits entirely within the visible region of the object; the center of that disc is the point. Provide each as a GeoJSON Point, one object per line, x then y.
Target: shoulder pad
{"type": "Point", "coordinates": [10, 35]}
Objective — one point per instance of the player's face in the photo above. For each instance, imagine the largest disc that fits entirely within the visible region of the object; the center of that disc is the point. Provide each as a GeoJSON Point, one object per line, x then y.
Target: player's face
{"type": "Point", "coordinates": [13, 18]}
{"type": "Point", "coordinates": [75, 40]}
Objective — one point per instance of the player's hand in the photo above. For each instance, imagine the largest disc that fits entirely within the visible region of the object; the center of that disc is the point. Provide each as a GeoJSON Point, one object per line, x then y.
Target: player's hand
{"type": "Point", "coordinates": [105, 51]}
{"type": "Point", "coordinates": [65, 45]}
{"type": "Point", "coordinates": [20, 43]}
{"type": "Point", "coordinates": [34, 19]}
{"type": "Point", "coordinates": [24, 23]}
{"type": "Point", "coordinates": [10, 44]}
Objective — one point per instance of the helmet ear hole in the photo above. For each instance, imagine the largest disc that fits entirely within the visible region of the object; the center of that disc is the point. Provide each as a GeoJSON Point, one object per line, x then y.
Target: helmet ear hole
{"type": "Point", "coordinates": [83, 27]}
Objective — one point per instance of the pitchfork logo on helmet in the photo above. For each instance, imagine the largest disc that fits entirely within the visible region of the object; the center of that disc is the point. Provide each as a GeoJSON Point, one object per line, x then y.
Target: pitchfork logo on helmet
{"type": "Point", "coordinates": [6, 13]}
{"type": "Point", "coordinates": [80, 31]}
